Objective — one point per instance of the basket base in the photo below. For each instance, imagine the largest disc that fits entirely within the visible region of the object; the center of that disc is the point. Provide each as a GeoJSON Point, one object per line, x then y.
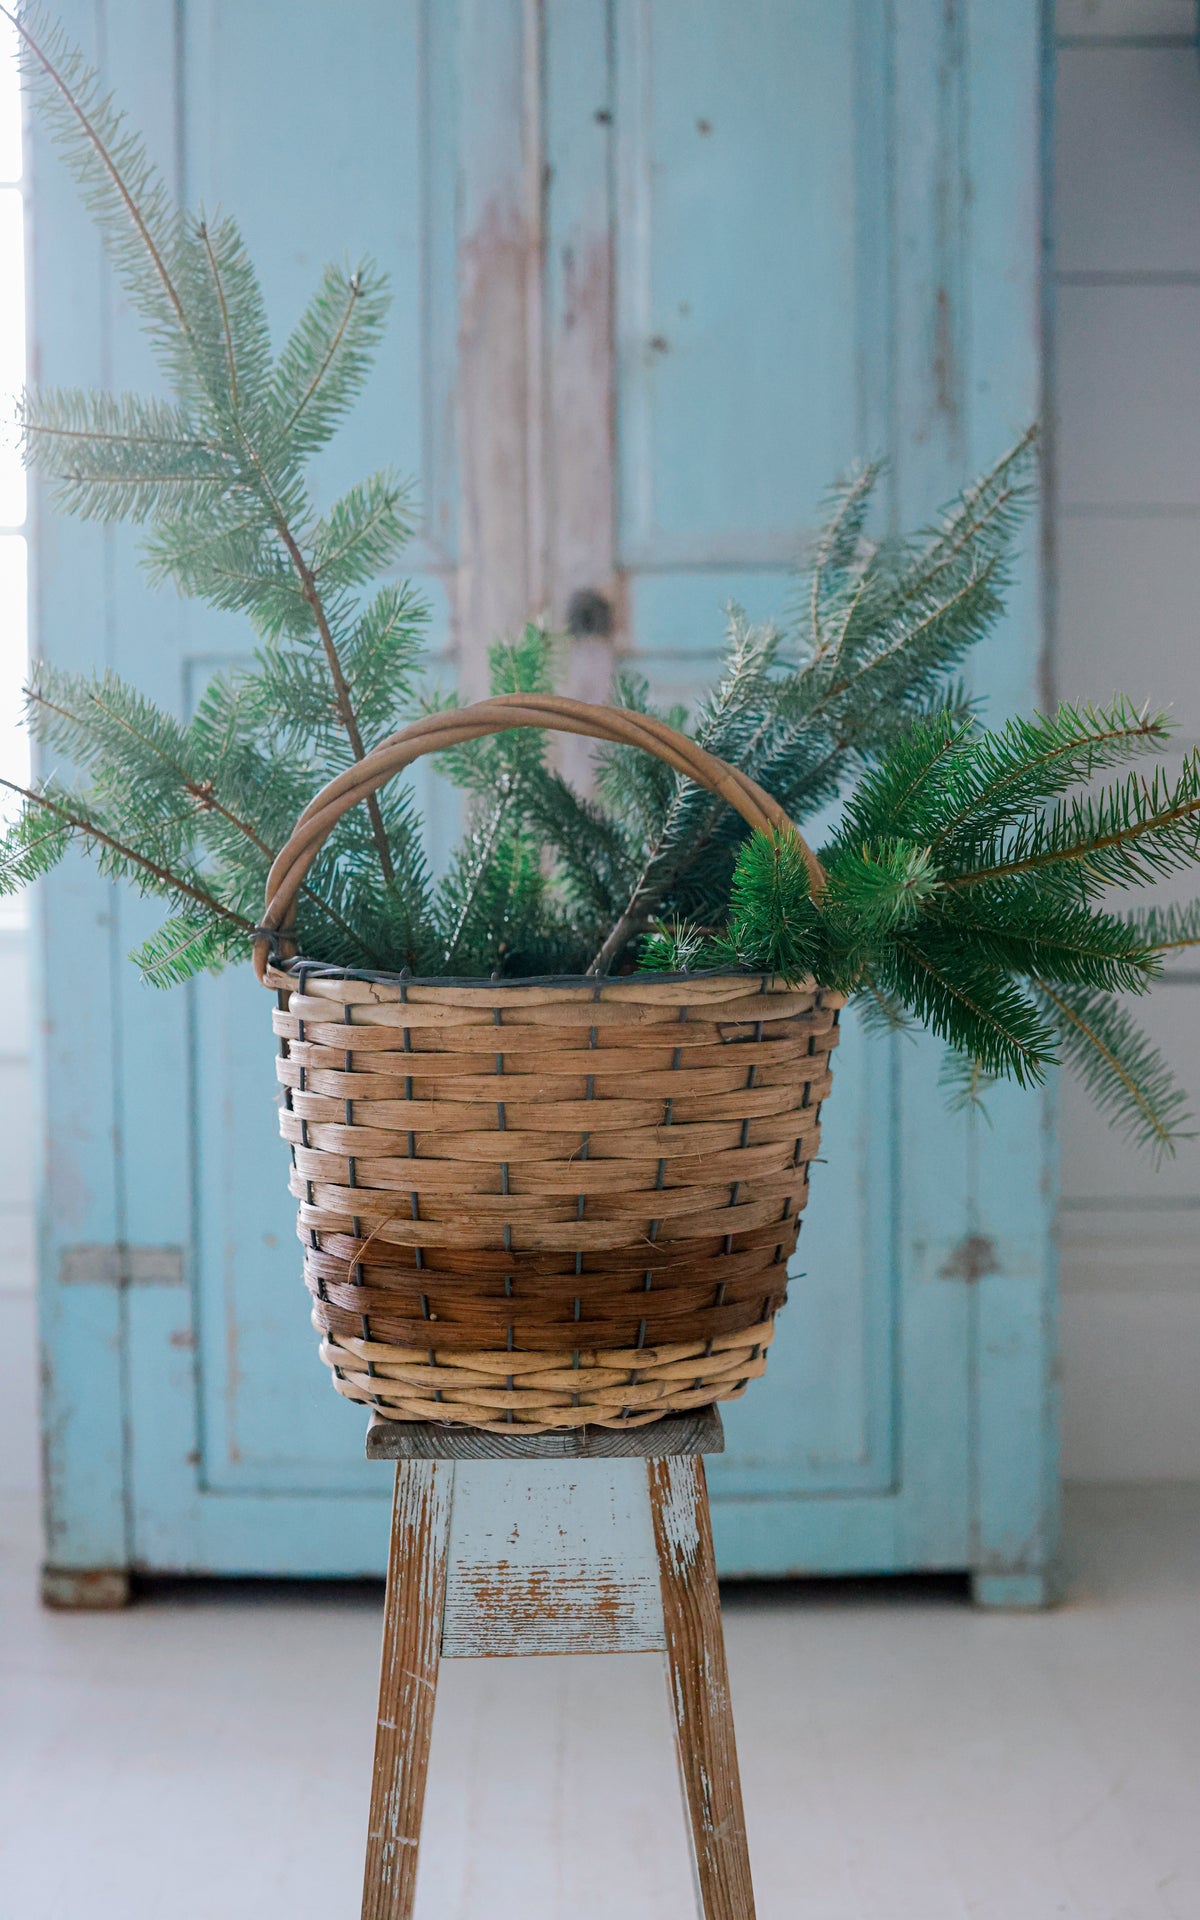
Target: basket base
{"type": "Point", "coordinates": [546, 1392]}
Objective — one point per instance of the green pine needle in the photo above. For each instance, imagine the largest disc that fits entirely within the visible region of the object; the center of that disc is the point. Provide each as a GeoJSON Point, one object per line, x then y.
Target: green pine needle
{"type": "Point", "coordinates": [975, 1006]}
{"type": "Point", "coordinates": [1122, 1070]}
{"type": "Point", "coordinates": [1132, 832]}
{"type": "Point", "coordinates": [184, 946]}
{"type": "Point", "coordinates": [879, 884]}
{"type": "Point", "coordinates": [31, 844]}
{"type": "Point", "coordinates": [1170, 929]}
{"type": "Point", "coordinates": [773, 924]}
{"type": "Point", "coordinates": [673, 947]}
{"type": "Point", "coordinates": [965, 1083]}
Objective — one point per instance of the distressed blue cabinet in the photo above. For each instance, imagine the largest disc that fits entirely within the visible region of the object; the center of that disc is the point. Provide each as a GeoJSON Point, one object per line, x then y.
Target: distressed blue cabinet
{"type": "Point", "coordinates": [662, 268]}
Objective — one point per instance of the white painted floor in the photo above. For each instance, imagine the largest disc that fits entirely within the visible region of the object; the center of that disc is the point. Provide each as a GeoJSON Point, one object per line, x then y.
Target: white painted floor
{"type": "Point", "coordinates": [205, 1755]}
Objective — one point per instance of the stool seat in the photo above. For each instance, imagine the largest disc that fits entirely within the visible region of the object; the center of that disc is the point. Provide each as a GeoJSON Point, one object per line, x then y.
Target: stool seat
{"type": "Point", "coordinates": [677, 1433]}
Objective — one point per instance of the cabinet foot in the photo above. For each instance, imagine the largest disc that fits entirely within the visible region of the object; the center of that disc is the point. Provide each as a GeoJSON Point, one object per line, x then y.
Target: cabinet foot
{"type": "Point", "coordinates": [85, 1589]}
{"type": "Point", "coordinates": [1017, 1592]}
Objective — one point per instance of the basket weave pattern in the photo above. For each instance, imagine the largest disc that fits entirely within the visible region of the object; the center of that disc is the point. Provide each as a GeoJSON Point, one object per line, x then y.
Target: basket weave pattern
{"type": "Point", "coordinates": [551, 1203]}
{"type": "Point", "coordinates": [548, 1205]}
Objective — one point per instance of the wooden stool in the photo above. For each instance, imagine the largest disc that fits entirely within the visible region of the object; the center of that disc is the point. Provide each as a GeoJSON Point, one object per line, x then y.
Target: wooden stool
{"type": "Point", "coordinates": [593, 1541]}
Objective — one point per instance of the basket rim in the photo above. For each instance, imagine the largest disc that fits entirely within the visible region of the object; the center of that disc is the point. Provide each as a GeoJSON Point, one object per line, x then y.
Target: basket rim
{"type": "Point", "coordinates": [298, 966]}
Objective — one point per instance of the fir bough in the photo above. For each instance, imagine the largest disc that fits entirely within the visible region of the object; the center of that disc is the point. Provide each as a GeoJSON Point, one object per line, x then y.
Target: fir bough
{"type": "Point", "coordinates": [965, 887]}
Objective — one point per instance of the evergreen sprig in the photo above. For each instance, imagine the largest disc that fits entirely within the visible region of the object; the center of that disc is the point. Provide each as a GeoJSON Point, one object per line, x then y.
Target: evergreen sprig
{"type": "Point", "coordinates": [965, 887]}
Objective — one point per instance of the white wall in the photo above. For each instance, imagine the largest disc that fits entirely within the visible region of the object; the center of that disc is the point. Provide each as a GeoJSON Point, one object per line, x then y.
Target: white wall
{"type": "Point", "coordinates": [1127, 528]}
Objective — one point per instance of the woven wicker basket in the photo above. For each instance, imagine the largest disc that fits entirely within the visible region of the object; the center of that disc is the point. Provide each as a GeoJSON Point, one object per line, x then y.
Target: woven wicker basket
{"type": "Point", "coordinates": [543, 1203]}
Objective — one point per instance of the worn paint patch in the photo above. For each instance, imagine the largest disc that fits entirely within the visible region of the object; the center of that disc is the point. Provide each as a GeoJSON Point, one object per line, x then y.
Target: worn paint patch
{"type": "Point", "coordinates": [972, 1259]}
{"type": "Point", "coordinates": [498, 1610]}
{"type": "Point", "coordinates": [118, 1264]}
{"type": "Point", "coordinates": [678, 1499]}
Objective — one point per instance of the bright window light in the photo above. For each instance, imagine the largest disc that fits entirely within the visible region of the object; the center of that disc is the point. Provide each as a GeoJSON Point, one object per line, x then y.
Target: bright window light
{"type": "Point", "coordinates": [14, 747]}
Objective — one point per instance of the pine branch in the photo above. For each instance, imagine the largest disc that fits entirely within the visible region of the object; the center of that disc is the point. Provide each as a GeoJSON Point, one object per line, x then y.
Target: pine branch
{"type": "Point", "coordinates": [879, 884]}
{"type": "Point", "coordinates": [479, 852]}
{"type": "Point", "coordinates": [975, 1007]}
{"type": "Point", "coordinates": [773, 924]}
{"type": "Point", "coordinates": [315, 601]}
{"type": "Point", "coordinates": [945, 631]}
{"type": "Point", "coordinates": [593, 855]}
{"type": "Point", "coordinates": [361, 534]}
{"type": "Point", "coordinates": [837, 548]}
{"type": "Point", "coordinates": [638, 911]}
{"type": "Point", "coordinates": [222, 303]}
{"type": "Point", "coordinates": [693, 815]}
{"type": "Point", "coordinates": [165, 879]}
{"type": "Point", "coordinates": [327, 358]}
{"type": "Point", "coordinates": [329, 353]}
{"type": "Point", "coordinates": [1030, 761]}
{"type": "Point", "coordinates": [983, 518]}
{"type": "Point", "coordinates": [1169, 929]}
{"type": "Point", "coordinates": [1018, 927]}
{"type": "Point", "coordinates": [1124, 1073]}
{"type": "Point", "coordinates": [497, 769]}
{"type": "Point", "coordinates": [70, 91]}
{"type": "Point", "coordinates": [675, 946]}
{"type": "Point", "coordinates": [203, 792]}
{"type": "Point", "coordinates": [135, 191]}
{"type": "Point", "coordinates": [964, 1082]}
{"type": "Point", "coordinates": [181, 948]}
{"type": "Point", "coordinates": [893, 796]}
{"type": "Point", "coordinates": [114, 456]}
{"type": "Point", "coordinates": [30, 846]}
{"type": "Point", "coordinates": [1129, 833]}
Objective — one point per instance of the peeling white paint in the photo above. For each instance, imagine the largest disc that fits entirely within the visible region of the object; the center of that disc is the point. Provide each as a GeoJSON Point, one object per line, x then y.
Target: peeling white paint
{"type": "Point", "coordinates": [680, 1524]}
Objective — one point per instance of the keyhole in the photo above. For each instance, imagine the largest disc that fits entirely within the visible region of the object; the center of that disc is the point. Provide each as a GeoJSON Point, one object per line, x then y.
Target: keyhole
{"type": "Point", "coordinates": [589, 615]}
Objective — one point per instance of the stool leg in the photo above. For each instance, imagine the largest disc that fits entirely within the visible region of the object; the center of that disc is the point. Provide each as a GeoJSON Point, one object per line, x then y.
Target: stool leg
{"type": "Point", "coordinates": [698, 1685]}
{"type": "Point", "coordinates": [412, 1639]}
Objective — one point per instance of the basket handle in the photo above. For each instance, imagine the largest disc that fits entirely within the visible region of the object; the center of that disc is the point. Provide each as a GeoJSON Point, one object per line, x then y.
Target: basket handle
{"type": "Point", "coordinates": [450, 728]}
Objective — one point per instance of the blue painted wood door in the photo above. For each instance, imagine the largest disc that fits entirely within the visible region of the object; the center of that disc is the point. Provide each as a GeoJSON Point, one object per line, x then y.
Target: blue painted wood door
{"type": "Point", "coordinates": [662, 268]}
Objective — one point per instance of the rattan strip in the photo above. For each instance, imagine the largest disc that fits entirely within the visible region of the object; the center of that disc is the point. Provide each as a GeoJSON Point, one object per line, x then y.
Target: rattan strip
{"type": "Point", "coordinates": [596, 1275]}
{"type": "Point", "coordinates": [539, 1234]}
{"type": "Point", "coordinates": [542, 1393]}
{"type": "Point", "coordinates": [646, 1318]}
{"type": "Point", "coordinates": [342, 988]}
{"type": "Point", "coordinates": [597, 1010]}
{"type": "Point", "coordinates": [474, 1266]}
{"type": "Point", "coordinates": [469, 1325]}
{"type": "Point", "coordinates": [536, 1174]}
{"type": "Point", "coordinates": [457, 1033]}
{"type": "Point", "coordinates": [615, 1114]}
{"type": "Point", "coordinates": [325, 1094]}
{"type": "Point", "coordinates": [646, 1326]}
{"type": "Point", "coordinates": [492, 1314]}
{"type": "Point", "coordinates": [327, 1128]}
